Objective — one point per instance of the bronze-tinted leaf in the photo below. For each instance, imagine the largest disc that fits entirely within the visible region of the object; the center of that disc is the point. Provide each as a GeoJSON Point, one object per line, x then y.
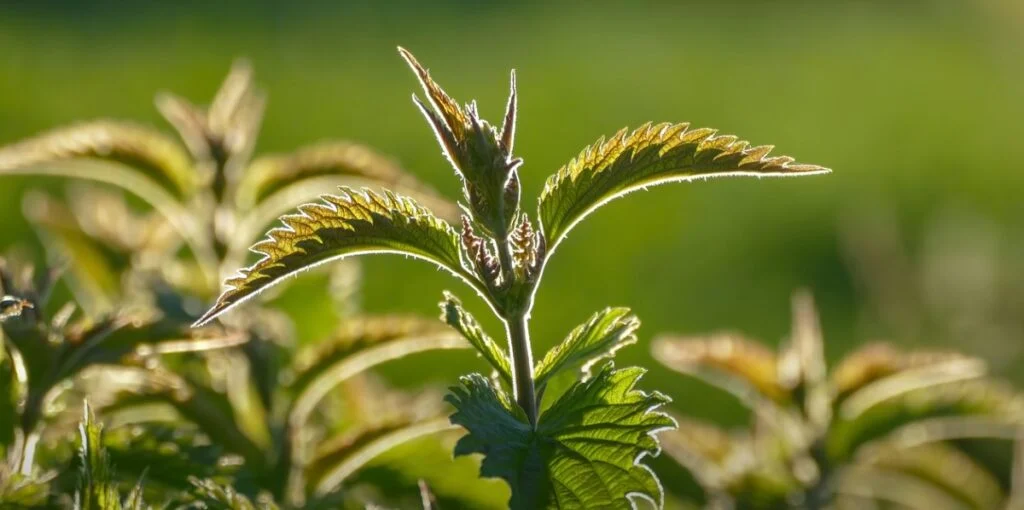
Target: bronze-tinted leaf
{"type": "Point", "coordinates": [650, 155]}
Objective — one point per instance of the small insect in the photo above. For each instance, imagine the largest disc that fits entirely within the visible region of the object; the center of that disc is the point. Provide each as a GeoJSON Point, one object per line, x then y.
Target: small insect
{"type": "Point", "coordinates": [11, 306]}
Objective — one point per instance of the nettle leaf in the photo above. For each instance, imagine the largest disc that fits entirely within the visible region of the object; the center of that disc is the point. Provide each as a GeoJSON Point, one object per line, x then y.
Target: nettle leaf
{"type": "Point", "coordinates": [340, 457]}
{"type": "Point", "coordinates": [650, 155]}
{"type": "Point", "coordinates": [22, 492]}
{"type": "Point", "coordinates": [97, 489]}
{"type": "Point", "coordinates": [8, 397]}
{"type": "Point", "coordinates": [587, 448]}
{"type": "Point", "coordinates": [152, 154]}
{"type": "Point", "coordinates": [352, 223]}
{"type": "Point", "coordinates": [729, 361]}
{"type": "Point", "coordinates": [214, 496]}
{"type": "Point", "coordinates": [358, 345]}
{"type": "Point", "coordinates": [480, 153]}
{"type": "Point", "coordinates": [457, 317]}
{"type": "Point", "coordinates": [599, 338]}
{"type": "Point", "coordinates": [945, 466]}
{"type": "Point", "coordinates": [269, 175]}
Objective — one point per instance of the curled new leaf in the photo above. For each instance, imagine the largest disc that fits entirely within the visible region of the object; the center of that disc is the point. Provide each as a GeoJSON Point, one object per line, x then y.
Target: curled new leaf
{"type": "Point", "coordinates": [481, 154]}
{"type": "Point", "coordinates": [650, 155]}
{"type": "Point", "coordinates": [586, 451]}
{"type": "Point", "coordinates": [457, 317]}
{"type": "Point", "coordinates": [352, 223]}
{"type": "Point", "coordinates": [604, 333]}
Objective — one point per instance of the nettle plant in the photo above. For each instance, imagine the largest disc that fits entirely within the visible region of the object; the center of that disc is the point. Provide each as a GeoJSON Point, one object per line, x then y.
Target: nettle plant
{"type": "Point", "coordinates": [585, 449]}
{"type": "Point", "coordinates": [919, 429]}
{"type": "Point", "coordinates": [292, 418]}
{"type": "Point", "coordinates": [46, 349]}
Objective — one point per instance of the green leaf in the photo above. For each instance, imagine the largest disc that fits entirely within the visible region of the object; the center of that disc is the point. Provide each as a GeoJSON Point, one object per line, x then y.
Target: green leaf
{"type": "Point", "coordinates": [111, 340]}
{"type": "Point", "coordinates": [481, 154]}
{"type": "Point", "coordinates": [94, 268]}
{"type": "Point", "coordinates": [152, 154]}
{"type": "Point", "coordinates": [8, 398]}
{"type": "Point", "coordinates": [945, 466]}
{"type": "Point", "coordinates": [358, 345]}
{"type": "Point", "coordinates": [345, 160]}
{"type": "Point", "coordinates": [648, 156]}
{"type": "Point", "coordinates": [21, 492]}
{"type": "Point", "coordinates": [457, 317]}
{"type": "Point", "coordinates": [168, 453]}
{"type": "Point", "coordinates": [729, 361]}
{"type": "Point", "coordinates": [340, 457]}
{"type": "Point", "coordinates": [586, 451]}
{"type": "Point", "coordinates": [353, 223]}
{"type": "Point", "coordinates": [97, 489]}
{"type": "Point", "coordinates": [989, 406]}
{"type": "Point", "coordinates": [214, 496]}
{"type": "Point", "coordinates": [599, 338]}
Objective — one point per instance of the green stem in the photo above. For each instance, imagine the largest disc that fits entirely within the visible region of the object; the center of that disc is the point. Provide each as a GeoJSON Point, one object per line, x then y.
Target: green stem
{"type": "Point", "coordinates": [522, 365]}
{"type": "Point", "coordinates": [518, 332]}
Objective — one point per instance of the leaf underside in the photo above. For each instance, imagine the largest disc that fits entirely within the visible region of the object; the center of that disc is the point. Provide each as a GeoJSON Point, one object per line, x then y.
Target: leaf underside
{"type": "Point", "coordinates": [586, 450]}
{"type": "Point", "coordinates": [650, 155]}
{"type": "Point", "coordinates": [352, 223]}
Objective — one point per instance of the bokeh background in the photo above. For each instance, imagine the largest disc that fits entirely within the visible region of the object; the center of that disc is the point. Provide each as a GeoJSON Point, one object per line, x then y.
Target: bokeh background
{"type": "Point", "coordinates": [917, 237]}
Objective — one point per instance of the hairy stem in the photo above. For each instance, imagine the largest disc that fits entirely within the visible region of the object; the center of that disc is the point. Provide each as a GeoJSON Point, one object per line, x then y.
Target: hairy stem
{"type": "Point", "coordinates": [518, 332]}
{"type": "Point", "coordinates": [522, 364]}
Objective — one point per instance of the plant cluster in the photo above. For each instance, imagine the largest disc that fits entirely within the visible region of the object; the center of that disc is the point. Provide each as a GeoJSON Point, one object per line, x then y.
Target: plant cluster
{"type": "Point", "coordinates": [239, 413]}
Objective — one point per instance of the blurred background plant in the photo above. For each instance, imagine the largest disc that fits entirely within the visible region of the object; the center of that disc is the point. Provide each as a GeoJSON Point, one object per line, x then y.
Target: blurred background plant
{"type": "Point", "coordinates": [266, 415]}
{"type": "Point", "coordinates": [915, 105]}
{"type": "Point", "coordinates": [918, 429]}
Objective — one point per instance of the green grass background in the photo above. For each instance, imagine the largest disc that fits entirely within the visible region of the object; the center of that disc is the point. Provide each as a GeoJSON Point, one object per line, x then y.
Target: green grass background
{"type": "Point", "coordinates": [916, 105]}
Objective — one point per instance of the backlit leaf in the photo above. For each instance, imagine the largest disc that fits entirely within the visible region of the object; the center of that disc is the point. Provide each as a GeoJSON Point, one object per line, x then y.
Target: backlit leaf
{"type": "Point", "coordinates": [599, 338]}
{"type": "Point", "coordinates": [650, 155]}
{"type": "Point", "coordinates": [352, 223]}
{"type": "Point", "coordinates": [152, 154]}
{"type": "Point", "coordinates": [97, 490]}
{"type": "Point", "coordinates": [586, 451]}
{"type": "Point", "coordinates": [340, 457]}
{"type": "Point", "coordinates": [359, 344]}
{"type": "Point", "coordinates": [215, 496]}
{"type": "Point", "coordinates": [727, 360]}
{"type": "Point", "coordinates": [944, 466]}
{"type": "Point", "coordinates": [457, 317]}
{"type": "Point", "coordinates": [480, 153]}
{"type": "Point", "coordinates": [339, 159]}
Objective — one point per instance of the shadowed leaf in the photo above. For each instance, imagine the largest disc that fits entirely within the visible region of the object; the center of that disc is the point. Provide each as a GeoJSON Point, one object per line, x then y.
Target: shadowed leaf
{"type": "Point", "coordinates": [599, 338]}
{"type": "Point", "coordinates": [352, 223]}
{"type": "Point", "coordinates": [650, 155]}
{"type": "Point", "coordinates": [586, 451]}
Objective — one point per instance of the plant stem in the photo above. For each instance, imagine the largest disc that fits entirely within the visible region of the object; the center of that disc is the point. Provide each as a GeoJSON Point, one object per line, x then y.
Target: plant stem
{"type": "Point", "coordinates": [518, 332]}
{"type": "Point", "coordinates": [522, 365]}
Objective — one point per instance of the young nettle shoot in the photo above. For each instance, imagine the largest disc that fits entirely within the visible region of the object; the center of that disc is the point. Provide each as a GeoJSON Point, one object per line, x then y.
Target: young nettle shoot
{"type": "Point", "coordinates": [585, 449]}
